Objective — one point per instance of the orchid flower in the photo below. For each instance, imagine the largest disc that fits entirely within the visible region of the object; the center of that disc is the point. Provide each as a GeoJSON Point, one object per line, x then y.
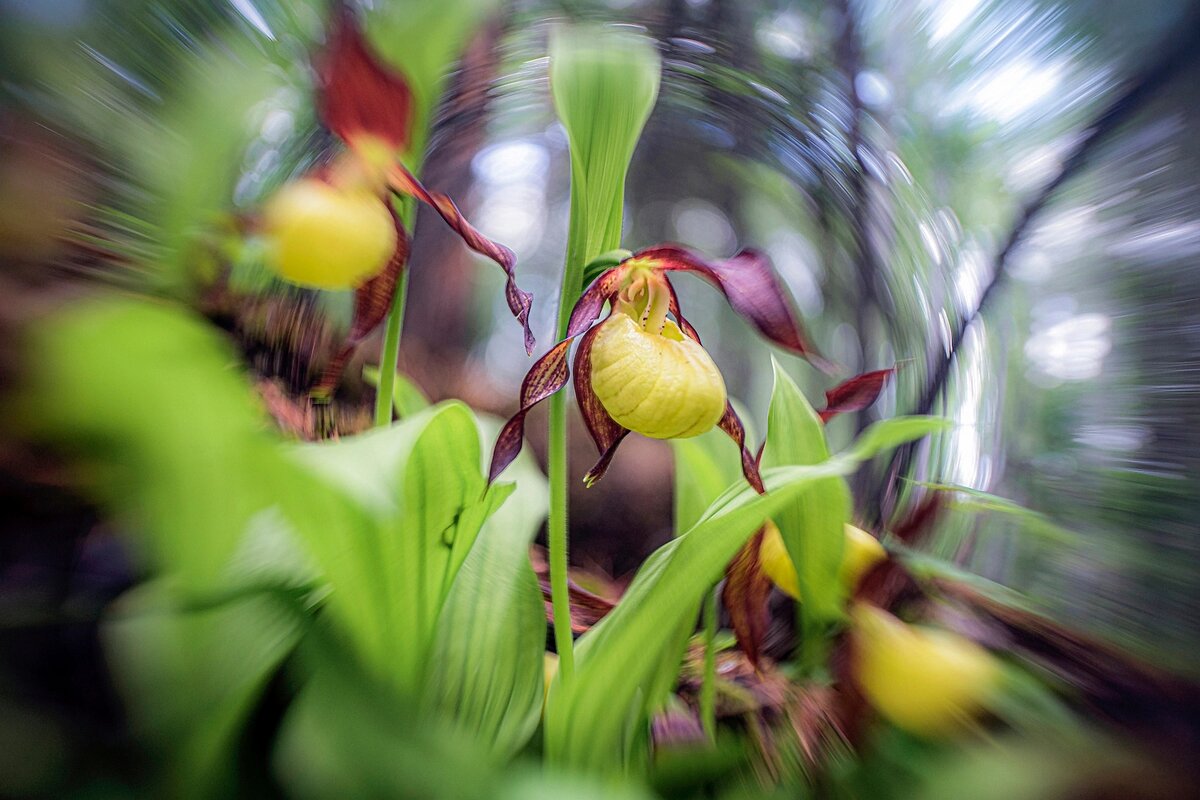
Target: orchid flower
{"type": "Point", "coordinates": [335, 229]}
{"type": "Point", "coordinates": [639, 370]}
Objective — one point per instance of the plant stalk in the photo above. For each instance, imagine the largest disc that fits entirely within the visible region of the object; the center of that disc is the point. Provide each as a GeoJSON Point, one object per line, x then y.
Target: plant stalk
{"type": "Point", "coordinates": [708, 685]}
{"type": "Point", "coordinates": [556, 457]}
{"type": "Point", "coordinates": [389, 357]}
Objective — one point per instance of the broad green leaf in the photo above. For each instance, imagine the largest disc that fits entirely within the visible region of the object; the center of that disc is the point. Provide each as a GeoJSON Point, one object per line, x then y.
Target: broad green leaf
{"type": "Point", "coordinates": [604, 82]}
{"type": "Point", "coordinates": [223, 656]}
{"type": "Point", "coordinates": [812, 527]}
{"type": "Point", "coordinates": [490, 640]}
{"type": "Point", "coordinates": [421, 501]}
{"type": "Point", "coordinates": [147, 393]}
{"type": "Point", "coordinates": [889, 433]}
{"type": "Point", "coordinates": [589, 722]}
{"type": "Point", "coordinates": [347, 735]}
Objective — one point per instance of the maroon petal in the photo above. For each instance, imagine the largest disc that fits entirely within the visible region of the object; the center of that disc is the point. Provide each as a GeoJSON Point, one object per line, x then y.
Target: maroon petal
{"type": "Point", "coordinates": [732, 425]}
{"type": "Point", "coordinates": [684, 325]}
{"type": "Point", "coordinates": [589, 305]}
{"type": "Point", "coordinates": [371, 303]}
{"type": "Point", "coordinates": [752, 290]}
{"type": "Point", "coordinates": [519, 301]}
{"type": "Point", "coordinates": [605, 430]}
{"type": "Point", "coordinates": [547, 375]}
{"type": "Point", "coordinates": [855, 394]}
{"type": "Point", "coordinates": [747, 589]}
{"type": "Point", "coordinates": [357, 94]}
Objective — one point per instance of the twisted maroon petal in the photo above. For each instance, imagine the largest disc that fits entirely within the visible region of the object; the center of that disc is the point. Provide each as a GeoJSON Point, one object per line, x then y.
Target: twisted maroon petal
{"type": "Point", "coordinates": [589, 305]}
{"type": "Point", "coordinates": [356, 93]}
{"type": "Point", "coordinates": [731, 423]}
{"type": "Point", "coordinates": [752, 290]}
{"type": "Point", "coordinates": [547, 375]}
{"type": "Point", "coordinates": [606, 432]}
{"type": "Point", "coordinates": [855, 394]}
{"type": "Point", "coordinates": [371, 303]}
{"type": "Point", "coordinates": [519, 301]}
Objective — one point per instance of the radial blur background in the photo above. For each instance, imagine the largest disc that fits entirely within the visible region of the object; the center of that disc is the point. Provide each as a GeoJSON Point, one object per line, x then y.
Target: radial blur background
{"type": "Point", "coordinates": [998, 195]}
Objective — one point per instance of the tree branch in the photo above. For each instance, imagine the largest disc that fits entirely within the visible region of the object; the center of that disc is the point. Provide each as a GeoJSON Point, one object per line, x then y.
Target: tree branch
{"type": "Point", "coordinates": [1176, 53]}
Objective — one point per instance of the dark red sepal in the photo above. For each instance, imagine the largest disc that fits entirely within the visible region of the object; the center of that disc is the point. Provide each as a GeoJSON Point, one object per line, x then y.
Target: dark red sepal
{"type": "Point", "coordinates": [547, 375]}
{"type": "Point", "coordinates": [856, 394]}
{"type": "Point", "coordinates": [731, 423]}
{"type": "Point", "coordinates": [356, 94]}
{"type": "Point", "coordinates": [747, 589]}
{"type": "Point", "coordinates": [606, 432]}
{"type": "Point", "coordinates": [372, 301]}
{"type": "Point", "coordinates": [589, 305]}
{"type": "Point", "coordinates": [752, 289]}
{"type": "Point", "coordinates": [519, 301]}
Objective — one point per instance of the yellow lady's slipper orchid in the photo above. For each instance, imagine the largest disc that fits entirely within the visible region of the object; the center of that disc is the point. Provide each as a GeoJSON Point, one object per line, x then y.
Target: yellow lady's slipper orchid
{"type": "Point", "coordinates": [335, 229]}
{"type": "Point", "coordinates": [640, 371]}
{"type": "Point", "coordinates": [860, 552]}
{"type": "Point", "coordinates": [659, 384]}
{"type": "Point", "coordinates": [928, 682]}
{"type": "Point", "coordinates": [327, 237]}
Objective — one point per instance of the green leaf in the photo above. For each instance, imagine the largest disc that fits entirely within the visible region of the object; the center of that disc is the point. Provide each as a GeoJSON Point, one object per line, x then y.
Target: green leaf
{"type": "Point", "coordinates": [347, 735]}
{"type": "Point", "coordinates": [589, 723]}
{"type": "Point", "coordinates": [889, 433]}
{"type": "Point", "coordinates": [490, 640]}
{"type": "Point", "coordinates": [223, 656]}
{"type": "Point", "coordinates": [705, 466]}
{"type": "Point", "coordinates": [145, 392]}
{"type": "Point", "coordinates": [421, 500]}
{"type": "Point", "coordinates": [812, 527]}
{"type": "Point", "coordinates": [604, 82]}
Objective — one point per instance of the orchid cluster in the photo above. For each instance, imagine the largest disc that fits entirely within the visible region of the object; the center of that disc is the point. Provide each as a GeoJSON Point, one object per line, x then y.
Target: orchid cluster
{"type": "Point", "coordinates": [640, 367]}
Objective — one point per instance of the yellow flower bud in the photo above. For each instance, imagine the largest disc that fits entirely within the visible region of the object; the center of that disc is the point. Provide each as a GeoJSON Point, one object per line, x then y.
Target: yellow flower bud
{"type": "Point", "coordinates": [662, 385]}
{"type": "Point", "coordinates": [860, 552]}
{"type": "Point", "coordinates": [928, 682]}
{"type": "Point", "coordinates": [327, 237]}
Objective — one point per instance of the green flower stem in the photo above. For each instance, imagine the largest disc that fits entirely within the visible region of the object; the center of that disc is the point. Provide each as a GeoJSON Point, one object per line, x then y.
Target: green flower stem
{"type": "Point", "coordinates": [604, 83]}
{"type": "Point", "coordinates": [556, 457]}
{"type": "Point", "coordinates": [708, 685]}
{"type": "Point", "coordinates": [389, 357]}
{"type": "Point", "coordinates": [560, 596]}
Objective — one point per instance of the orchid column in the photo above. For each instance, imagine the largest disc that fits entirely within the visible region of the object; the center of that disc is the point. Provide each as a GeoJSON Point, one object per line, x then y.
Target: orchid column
{"type": "Point", "coordinates": [604, 83]}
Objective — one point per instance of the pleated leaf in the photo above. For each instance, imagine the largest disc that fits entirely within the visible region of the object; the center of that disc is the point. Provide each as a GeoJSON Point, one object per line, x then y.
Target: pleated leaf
{"type": "Point", "coordinates": [812, 527]}
{"type": "Point", "coordinates": [491, 635]}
